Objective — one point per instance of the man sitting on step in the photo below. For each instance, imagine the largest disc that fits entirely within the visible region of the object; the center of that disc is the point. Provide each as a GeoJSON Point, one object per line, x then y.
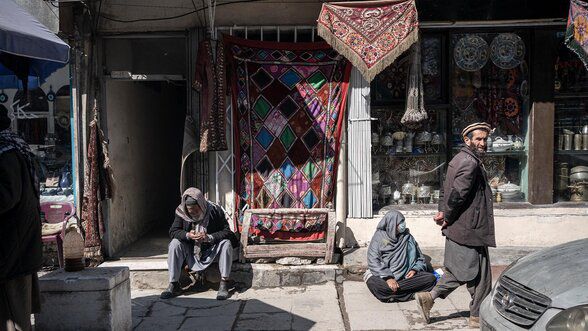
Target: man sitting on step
{"type": "Point", "coordinates": [200, 236]}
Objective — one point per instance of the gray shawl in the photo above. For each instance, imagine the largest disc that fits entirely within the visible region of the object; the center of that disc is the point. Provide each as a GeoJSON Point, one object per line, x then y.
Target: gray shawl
{"type": "Point", "coordinates": [182, 211]}
{"type": "Point", "coordinates": [391, 254]}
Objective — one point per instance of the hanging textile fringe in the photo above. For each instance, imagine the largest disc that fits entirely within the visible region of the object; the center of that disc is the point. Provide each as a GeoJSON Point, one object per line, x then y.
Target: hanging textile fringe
{"type": "Point", "coordinates": [98, 179]}
{"type": "Point", "coordinates": [370, 34]}
{"type": "Point", "coordinates": [415, 112]}
{"type": "Point", "coordinates": [576, 37]}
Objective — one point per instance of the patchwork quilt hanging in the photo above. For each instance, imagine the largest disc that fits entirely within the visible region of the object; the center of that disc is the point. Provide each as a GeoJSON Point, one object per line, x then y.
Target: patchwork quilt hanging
{"type": "Point", "coordinates": [288, 102]}
{"type": "Point", "coordinates": [577, 30]}
{"type": "Point", "coordinates": [371, 34]}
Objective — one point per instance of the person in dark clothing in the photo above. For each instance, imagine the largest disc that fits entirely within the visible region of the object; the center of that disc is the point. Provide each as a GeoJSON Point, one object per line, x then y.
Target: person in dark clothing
{"type": "Point", "coordinates": [467, 221]}
{"type": "Point", "coordinates": [200, 235]}
{"type": "Point", "coordinates": [396, 265]}
{"type": "Point", "coordinates": [20, 230]}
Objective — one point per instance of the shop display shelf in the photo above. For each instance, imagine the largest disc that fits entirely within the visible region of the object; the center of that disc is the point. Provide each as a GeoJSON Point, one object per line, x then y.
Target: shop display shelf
{"type": "Point", "coordinates": [519, 153]}
{"type": "Point", "coordinates": [508, 153]}
{"type": "Point", "coordinates": [570, 95]}
{"type": "Point", "coordinates": [571, 152]}
{"type": "Point", "coordinates": [409, 155]}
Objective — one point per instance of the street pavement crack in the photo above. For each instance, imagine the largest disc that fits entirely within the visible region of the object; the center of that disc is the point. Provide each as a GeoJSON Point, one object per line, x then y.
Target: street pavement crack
{"type": "Point", "coordinates": [239, 312]}
{"type": "Point", "coordinates": [341, 299]}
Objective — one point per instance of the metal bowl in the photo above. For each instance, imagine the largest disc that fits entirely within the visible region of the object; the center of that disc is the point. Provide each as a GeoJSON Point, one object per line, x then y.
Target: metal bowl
{"type": "Point", "coordinates": [509, 188]}
{"type": "Point", "coordinates": [578, 169]}
{"type": "Point", "coordinates": [424, 191]}
{"type": "Point", "coordinates": [579, 177]}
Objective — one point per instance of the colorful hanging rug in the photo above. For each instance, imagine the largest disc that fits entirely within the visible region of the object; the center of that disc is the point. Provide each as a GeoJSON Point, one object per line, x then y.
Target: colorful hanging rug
{"type": "Point", "coordinates": [371, 34]}
{"type": "Point", "coordinates": [288, 101]}
{"type": "Point", "coordinates": [577, 30]}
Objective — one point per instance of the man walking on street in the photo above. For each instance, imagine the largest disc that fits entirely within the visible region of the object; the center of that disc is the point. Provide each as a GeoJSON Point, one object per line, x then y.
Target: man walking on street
{"type": "Point", "coordinates": [20, 230]}
{"type": "Point", "coordinates": [467, 221]}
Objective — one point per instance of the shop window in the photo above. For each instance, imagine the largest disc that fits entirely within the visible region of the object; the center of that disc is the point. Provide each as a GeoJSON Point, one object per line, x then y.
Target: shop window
{"type": "Point", "coordinates": [489, 81]}
{"type": "Point", "coordinates": [571, 126]}
{"type": "Point", "coordinates": [467, 77]}
{"type": "Point", "coordinates": [42, 118]}
{"type": "Point", "coordinates": [408, 164]}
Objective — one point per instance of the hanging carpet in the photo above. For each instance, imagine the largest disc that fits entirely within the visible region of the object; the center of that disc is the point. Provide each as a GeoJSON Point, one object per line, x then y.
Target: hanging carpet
{"type": "Point", "coordinates": [288, 103]}
{"type": "Point", "coordinates": [98, 186]}
{"type": "Point", "coordinates": [209, 80]}
{"type": "Point", "coordinates": [577, 30]}
{"type": "Point", "coordinates": [371, 34]}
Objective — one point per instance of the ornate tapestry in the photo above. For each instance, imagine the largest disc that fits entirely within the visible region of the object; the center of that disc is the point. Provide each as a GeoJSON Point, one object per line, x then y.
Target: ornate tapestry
{"type": "Point", "coordinates": [577, 30]}
{"type": "Point", "coordinates": [288, 102]}
{"type": "Point", "coordinates": [371, 34]}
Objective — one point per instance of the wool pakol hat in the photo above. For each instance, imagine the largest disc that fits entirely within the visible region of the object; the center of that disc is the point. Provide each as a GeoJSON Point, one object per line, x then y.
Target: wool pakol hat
{"type": "Point", "coordinates": [476, 126]}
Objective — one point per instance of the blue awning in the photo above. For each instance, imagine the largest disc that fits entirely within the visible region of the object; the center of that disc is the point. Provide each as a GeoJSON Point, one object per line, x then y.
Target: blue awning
{"type": "Point", "coordinates": [27, 47]}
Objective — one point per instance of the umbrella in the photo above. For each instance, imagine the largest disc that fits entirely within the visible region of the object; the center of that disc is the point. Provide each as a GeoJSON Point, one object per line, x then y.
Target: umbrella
{"type": "Point", "coordinates": [28, 49]}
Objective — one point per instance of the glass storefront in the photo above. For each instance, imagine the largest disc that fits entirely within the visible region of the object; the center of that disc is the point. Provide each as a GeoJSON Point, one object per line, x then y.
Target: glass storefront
{"type": "Point", "coordinates": [571, 126]}
{"type": "Point", "coordinates": [42, 118]}
{"type": "Point", "coordinates": [467, 77]}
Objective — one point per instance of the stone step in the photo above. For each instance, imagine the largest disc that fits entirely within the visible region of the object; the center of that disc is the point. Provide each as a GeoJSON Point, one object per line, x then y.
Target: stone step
{"type": "Point", "coordinates": [151, 273]}
{"type": "Point", "coordinates": [355, 260]}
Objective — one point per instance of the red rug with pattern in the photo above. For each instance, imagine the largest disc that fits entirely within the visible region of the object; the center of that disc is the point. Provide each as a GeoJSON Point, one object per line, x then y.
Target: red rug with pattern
{"type": "Point", "coordinates": [288, 102]}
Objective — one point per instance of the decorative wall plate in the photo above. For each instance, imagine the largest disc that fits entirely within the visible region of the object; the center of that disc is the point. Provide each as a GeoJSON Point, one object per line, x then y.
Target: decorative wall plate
{"type": "Point", "coordinates": [507, 50]}
{"type": "Point", "coordinates": [471, 53]}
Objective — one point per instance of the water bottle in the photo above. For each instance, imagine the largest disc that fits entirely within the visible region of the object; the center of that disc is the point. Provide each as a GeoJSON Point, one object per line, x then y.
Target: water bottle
{"type": "Point", "coordinates": [438, 273]}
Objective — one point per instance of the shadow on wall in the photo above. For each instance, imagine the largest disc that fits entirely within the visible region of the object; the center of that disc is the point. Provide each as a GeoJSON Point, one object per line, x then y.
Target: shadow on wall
{"type": "Point", "coordinates": [347, 233]}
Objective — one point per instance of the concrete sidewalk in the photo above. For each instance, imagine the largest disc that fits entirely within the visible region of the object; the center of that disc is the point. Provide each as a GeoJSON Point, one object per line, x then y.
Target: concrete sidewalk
{"type": "Point", "coordinates": [288, 308]}
{"type": "Point", "coordinates": [316, 307]}
{"type": "Point", "coordinates": [365, 312]}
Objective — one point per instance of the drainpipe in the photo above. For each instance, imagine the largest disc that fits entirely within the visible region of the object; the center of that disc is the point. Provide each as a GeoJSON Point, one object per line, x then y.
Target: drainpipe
{"type": "Point", "coordinates": [341, 198]}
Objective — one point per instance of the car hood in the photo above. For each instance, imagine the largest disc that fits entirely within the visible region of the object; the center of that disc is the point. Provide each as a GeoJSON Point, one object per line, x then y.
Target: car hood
{"type": "Point", "coordinates": [558, 272]}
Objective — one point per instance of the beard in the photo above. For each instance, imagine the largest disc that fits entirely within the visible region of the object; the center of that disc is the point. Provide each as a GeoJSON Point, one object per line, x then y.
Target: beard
{"type": "Point", "coordinates": [478, 152]}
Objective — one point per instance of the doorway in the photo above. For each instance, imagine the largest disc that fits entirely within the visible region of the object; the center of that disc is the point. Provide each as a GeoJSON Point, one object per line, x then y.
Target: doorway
{"type": "Point", "coordinates": [145, 128]}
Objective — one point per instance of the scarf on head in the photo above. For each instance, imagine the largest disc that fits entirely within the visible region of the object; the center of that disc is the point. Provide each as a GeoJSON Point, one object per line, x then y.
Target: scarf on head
{"type": "Point", "coordinates": [182, 211]}
{"type": "Point", "coordinates": [394, 247]}
{"type": "Point", "coordinates": [11, 141]}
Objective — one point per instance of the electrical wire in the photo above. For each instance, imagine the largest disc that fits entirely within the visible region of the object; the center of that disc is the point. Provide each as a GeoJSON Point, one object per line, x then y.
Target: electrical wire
{"type": "Point", "coordinates": [148, 19]}
{"type": "Point", "coordinates": [193, 11]}
{"type": "Point", "coordinates": [196, 9]}
{"type": "Point", "coordinates": [51, 10]}
{"type": "Point", "coordinates": [98, 16]}
{"type": "Point", "coordinates": [204, 6]}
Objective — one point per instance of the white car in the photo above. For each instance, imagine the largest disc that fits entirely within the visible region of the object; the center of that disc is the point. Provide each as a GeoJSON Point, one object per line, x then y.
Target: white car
{"type": "Point", "coordinates": [545, 290]}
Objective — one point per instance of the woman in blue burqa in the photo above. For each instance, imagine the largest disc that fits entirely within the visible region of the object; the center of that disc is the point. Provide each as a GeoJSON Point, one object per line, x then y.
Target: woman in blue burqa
{"type": "Point", "coordinates": [396, 265]}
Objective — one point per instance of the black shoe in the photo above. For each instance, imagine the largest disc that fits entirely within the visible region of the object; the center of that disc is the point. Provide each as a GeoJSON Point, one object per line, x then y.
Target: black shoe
{"type": "Point", "coordinates": [173, 290]}
{"type": "Point", "coordinates": [223, 290]}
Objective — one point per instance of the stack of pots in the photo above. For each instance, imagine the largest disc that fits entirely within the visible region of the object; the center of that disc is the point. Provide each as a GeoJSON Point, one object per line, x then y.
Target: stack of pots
{"type": "Point", "coordinates": [579, 183]}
